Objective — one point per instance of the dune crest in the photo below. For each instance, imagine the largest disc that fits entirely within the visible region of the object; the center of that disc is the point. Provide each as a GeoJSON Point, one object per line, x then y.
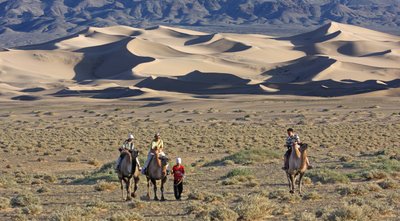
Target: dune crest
{"type": "Point", "coordinates": [92, 63]}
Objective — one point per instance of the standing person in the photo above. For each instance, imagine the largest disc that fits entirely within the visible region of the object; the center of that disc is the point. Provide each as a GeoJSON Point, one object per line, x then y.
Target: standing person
{"type": "Point", "coordinates": [156, 145]}
{"type": "Point", "coordinates": [292, 139]}
{"type": "Point", "coordinates": [127, 145]}
{"type": "Point", "coordinates": [178, 171]}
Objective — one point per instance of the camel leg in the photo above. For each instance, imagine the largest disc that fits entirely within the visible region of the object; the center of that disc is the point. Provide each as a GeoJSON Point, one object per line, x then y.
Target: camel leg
{"type": "Point", "coordinates": [148, 188]}
{"type": "Point", "coordinates": [288, 178]}
{"type": "Point", "coordinates": [128, 189]}
{"type": "Point", "coordinates": [300, 178]}
{"type": "Point", "coordinates": [122, 189]}
{"type": "Point", "coordinates": [136, 181]}
{"type": "Point", "coordinates": [154, 182]}
{"type": "Point", "coordinates": [162, 188]}
{"type": "Point", "coordinates": [292, 183]}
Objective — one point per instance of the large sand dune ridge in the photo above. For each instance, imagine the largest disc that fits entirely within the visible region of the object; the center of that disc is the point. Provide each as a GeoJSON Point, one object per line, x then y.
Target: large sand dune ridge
{"type": "Point", "coordinates": [164, 60]}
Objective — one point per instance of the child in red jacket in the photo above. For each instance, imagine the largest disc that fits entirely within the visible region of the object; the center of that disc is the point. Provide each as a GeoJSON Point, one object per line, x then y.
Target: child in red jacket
{"type": "Point", "coordinates": [178, 171]}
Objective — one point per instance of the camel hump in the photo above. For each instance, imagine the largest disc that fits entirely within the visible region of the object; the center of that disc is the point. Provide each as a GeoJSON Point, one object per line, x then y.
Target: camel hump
{"type": "Point", "coordinates": [125, 153]}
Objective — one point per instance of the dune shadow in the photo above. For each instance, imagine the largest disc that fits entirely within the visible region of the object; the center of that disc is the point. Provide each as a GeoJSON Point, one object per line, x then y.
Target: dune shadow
{"type": "Point", "coordinates": [300, 70]}
{"type": "Point", "coordinates": [109, 61]}
{"type": "Point", "coordinates": [330, 88]}
{"type": "Point", "coordinates": [32, 90]}
{"type": "Point", "coordinates": [199, 83]}
{"type": "Point", "coordinates": [108, 93]}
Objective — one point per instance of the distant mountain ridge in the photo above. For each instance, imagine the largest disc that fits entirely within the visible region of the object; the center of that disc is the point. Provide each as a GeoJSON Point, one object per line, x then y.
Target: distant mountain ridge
{"type": "Point", "coordinates": [62, 17]}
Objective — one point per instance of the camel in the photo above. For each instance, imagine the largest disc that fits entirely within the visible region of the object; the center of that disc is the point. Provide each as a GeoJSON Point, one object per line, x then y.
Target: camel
{"type": "Point", "coordinates": [128, 170]}
{"type": "Point", "coordinates": [297, 165]}
{"type": "Point", "coordinates": [156, 171]}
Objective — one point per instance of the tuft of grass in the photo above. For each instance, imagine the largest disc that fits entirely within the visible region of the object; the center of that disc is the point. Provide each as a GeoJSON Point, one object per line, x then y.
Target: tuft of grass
{"type": "Point", "coordinates": [254, 207]}
{"type": "Point", "coordinates": [32, 209]}
{"type": "Point", "coordinates": [126, 216]}
{"type": "Point", "coordinates": [43, 189]}
{"type": "Point", "coordinates": [277, 194]}
{"type": "Point", "coordinates": [22, 200]}
{"type": "Point", "coordinates": [136, 204]}
{"type": "Point", "coordinates": [223, 214]}
{"type": "Point", "coordinates": [375, 175]}
{"type": "Point", "coordinates": [238, 175]}
{"type": "Point", "coordinates": [196, 195]}
{"type": "Point", "coordinates": [305, 216]}
{"type": "Point", "coordinates": [94, 162]}
{"type": "Point", "coordinates": [388, 184]}
{"type": "Point", "coordinates": [104, 173]}
{"type": "Point", "coordinates": [248, 157]}
{"type": "Point", "coordinates": [72, 159]}
{"type": "Point", "coordinates": [312, 196]}
{"type": "Point", "coordinates": [4, 203]}
{"type": "Point", "coordinates": [358, 190]}
{"type": "Point", "coordinates": [71, 214]}
{"type": "Point", "coordinates": [238, 172]}
{"type": "Point", "coordinates": [105, 186]}
{"type": "Point", "coordinates": [347, 212]}
{"type": "Point", "coordinates": [327, 176]}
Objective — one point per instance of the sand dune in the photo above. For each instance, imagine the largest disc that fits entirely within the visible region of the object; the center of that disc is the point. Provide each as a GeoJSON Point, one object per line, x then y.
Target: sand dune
{"type": "Point", "coordinates": [164, 59]}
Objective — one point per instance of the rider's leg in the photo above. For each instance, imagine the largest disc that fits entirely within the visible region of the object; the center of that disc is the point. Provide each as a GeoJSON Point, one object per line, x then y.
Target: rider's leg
{"type": "Point", "coordinates": [146, 164]}
{"type": "Point", "coordinates": [309, 166]}
{"type": "Point", "coordinates": [117, 163]}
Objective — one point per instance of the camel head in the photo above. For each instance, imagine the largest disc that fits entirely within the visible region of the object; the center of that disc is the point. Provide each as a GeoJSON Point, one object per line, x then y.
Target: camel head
{"type": "Point", "coordinates": [303, 147]}
{"type": "Point", "coordinates": [164, 160]}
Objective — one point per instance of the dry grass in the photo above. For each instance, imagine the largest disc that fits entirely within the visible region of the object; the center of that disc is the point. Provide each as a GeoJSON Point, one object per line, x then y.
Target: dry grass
{"type": "Point", "coordinates": [25, 199]}
{"type": "Point", "coordinates": [105, 186]}
{"type": "Point", "coordinates": [126, 216]}
{"type": "Point", "coordinates": [233, 167]}
{"type": "Point", "coordinates": [254, 207]}
{"type": "Point", "coordinates": [4, 203]}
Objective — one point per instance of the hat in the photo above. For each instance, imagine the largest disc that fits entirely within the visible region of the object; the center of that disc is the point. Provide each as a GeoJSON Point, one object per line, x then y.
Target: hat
{"type": "Point", "coordinates": [130, 136]}
{"type": "Point", "coordinates": [178, 160]}
{"type": "Point", "coordinates": [157, 134]}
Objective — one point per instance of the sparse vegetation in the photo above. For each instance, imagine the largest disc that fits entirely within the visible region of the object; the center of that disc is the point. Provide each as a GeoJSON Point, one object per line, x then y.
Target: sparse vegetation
{"type": "Point", "coordinates": [254, 207]}
{"type": "Point", "coordinates": [233, 168]}
{"type": "Point", "coordinates": [26, 199]}
{"type": "Point", "coordinates": [4, 203]}
{"type": "Point", "coordinates": [327, 176]}
{"type": "Point", "coordinates": [105, 186]}
{"type": "Point", "coordinates": [126, 216]}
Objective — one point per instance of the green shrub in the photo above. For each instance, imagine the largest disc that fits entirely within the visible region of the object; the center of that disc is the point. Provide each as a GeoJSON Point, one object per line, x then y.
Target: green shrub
{"type": "Point", "coordinates": [238, 172]}
{"type": "Point", "coordinates": [248, 157]}
{"type": "Point", "coordinates": [327, 176]}
{"type": "Point", "coordinates": [105, 173]}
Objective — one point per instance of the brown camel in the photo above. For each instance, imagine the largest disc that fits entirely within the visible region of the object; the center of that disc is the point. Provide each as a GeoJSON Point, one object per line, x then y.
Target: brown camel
{"type": "Point", "coordinates": [156, 170]}
{"type": "Point", "coordinates": [297, 165]}
{"type": "Point", "coordinates": [128, 170]}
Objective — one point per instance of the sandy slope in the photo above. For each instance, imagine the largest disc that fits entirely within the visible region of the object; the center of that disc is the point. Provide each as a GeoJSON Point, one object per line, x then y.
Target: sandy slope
{"type": "Point", "coordinates": [110, 60]}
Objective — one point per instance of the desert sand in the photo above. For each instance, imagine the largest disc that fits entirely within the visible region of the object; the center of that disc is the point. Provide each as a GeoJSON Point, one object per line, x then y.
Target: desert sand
{"type": "Point", "coordinates": [222, 103]}
{"type": "Point", "coordinates": [120, 62]}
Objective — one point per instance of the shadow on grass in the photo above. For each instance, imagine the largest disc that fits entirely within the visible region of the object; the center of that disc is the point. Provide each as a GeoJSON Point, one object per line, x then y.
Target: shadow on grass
{"type": "Point", "coordinates": [105, 173]}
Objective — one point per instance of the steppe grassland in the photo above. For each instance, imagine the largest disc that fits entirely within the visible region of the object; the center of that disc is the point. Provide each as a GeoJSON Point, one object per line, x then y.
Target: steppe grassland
{"type": "Point", "coordinates": [56, 161]}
